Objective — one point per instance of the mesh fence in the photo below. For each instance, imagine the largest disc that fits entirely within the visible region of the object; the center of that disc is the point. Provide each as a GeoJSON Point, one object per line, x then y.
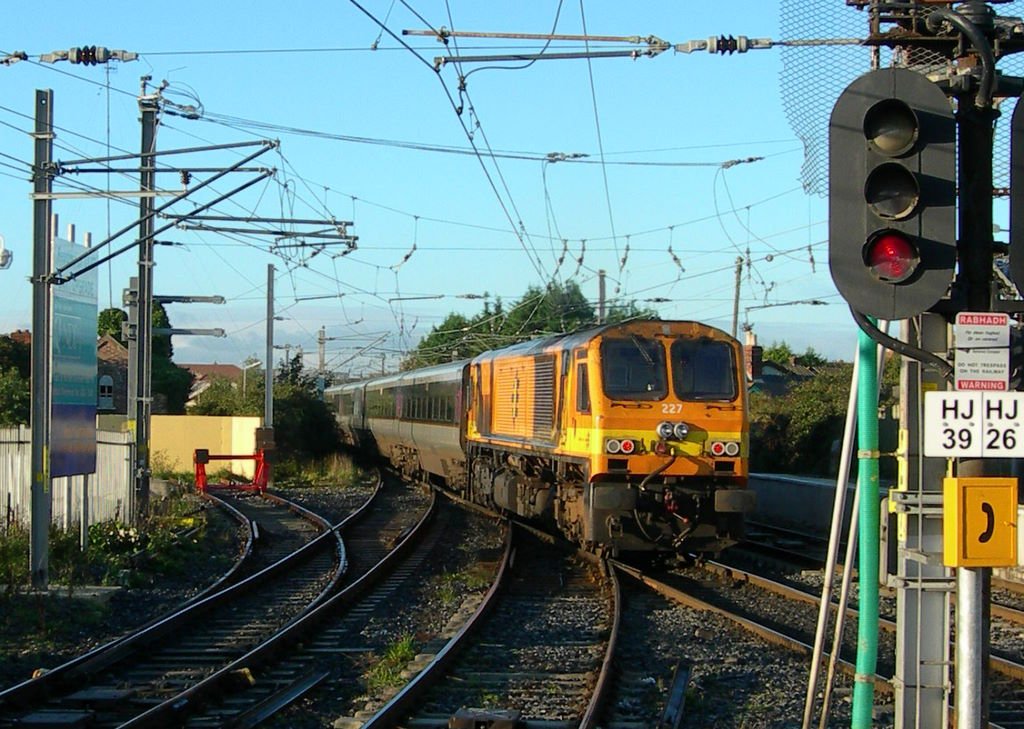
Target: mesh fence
{"type": "Point", "coordinates": [814, 76]}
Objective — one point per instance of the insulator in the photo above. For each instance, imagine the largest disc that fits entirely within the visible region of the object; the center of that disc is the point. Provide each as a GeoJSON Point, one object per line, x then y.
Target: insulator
{"type": "Point", "coordinates": [726, 44]}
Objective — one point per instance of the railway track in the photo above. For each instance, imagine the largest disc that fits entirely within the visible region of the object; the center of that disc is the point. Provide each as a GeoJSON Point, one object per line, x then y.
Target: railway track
{"type": "Point", "coordinates": [794, 547]}
{"type": "Point", "coordinates": [787, 615]}
{"type": "Point", "coordinates": [533, 651]}
{"type": "Point", "coordinates": [113, 683]}
{"type": "Point", "coordinates": [386, 544]}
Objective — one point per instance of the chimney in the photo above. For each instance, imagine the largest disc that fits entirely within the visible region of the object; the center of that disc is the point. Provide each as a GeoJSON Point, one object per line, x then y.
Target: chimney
{"type": "Point", "coordinates": [752, 356]}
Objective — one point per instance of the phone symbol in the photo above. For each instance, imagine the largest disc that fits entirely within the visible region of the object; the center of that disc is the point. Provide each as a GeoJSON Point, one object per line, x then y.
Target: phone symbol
{"type": "Point", "coordinates": [990, 527]}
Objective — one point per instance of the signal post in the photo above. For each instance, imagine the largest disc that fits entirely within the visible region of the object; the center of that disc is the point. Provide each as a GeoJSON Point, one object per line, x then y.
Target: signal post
{"type": "Point", "coordinates": [894, 245]}
{"type": "Point", "coordinates": [892, 253]}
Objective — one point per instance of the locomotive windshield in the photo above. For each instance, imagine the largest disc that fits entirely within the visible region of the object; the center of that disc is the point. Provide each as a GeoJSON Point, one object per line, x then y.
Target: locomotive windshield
{"type": "Point", "coordinates": [703, 369]}
{"type": "Point", "coordinates": [633, 369]}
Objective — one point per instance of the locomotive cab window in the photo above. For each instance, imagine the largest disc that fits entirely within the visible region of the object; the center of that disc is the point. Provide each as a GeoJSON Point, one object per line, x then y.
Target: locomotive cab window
{"type": "Point", "coordinates": [633, 369]}
{"type": "Point", "coordinates": [582, 389]}
{"type": "Point", "coordinates": [703, 369]}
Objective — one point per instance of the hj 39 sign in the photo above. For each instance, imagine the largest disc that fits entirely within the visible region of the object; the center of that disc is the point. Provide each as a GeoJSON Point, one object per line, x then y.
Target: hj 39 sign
{"type": "Point", "coordinates": [974, 424]}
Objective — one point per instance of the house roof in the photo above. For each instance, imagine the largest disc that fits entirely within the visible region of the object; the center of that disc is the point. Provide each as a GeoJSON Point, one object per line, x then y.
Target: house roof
{"type": "Point", "coordinates": [211, 371]}
{"type": "Point", "coordinates": [108, 349]}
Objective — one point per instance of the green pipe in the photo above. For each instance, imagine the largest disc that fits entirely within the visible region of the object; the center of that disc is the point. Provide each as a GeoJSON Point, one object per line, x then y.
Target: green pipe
{"type": "Point", "coordinates": [867, 485]}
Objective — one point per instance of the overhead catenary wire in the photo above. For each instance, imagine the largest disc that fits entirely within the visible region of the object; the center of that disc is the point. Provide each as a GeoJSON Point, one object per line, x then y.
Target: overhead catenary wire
{"type": "Point", "coordinates": [538, 266]}
{"type": "Point", "coordinates": [555, 236]}
{"type": "Point", "coordinates": [600, 139]}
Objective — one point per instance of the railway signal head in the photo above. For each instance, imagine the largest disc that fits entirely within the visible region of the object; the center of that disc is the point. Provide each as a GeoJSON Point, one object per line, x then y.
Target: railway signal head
{"type": "Point", "coordinates": [892, 194]}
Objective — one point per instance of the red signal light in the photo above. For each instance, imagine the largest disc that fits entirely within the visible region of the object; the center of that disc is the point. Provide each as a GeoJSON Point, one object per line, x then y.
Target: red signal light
{"type": "Point", "coordinates": [891, 256]}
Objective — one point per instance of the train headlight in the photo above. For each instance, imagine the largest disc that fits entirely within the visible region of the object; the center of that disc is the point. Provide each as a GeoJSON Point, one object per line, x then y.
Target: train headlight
{"type": "Point", "coordinates": [718, 448]}
{"type": "Point", "coordinates": [681, 430]}
{"type": "Point", "coordinates": [627, 447]}
{"type": "Point", "coordinates": [732, 448]}
{"type": "Point", "coordinates": [666, 430]}
{"type": "Point", "coordinates": [612, 446]}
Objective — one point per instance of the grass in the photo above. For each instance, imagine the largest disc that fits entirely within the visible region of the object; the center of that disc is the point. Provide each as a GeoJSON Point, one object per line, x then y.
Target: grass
{"type": "Point", "coordinates": [162, 467]}
{"type": "Point", "coordinates": [337, 470]}
{"type": "Point", "coordinates": [451, 587]}
{"type": "Point", "coordinates": [387, 671]}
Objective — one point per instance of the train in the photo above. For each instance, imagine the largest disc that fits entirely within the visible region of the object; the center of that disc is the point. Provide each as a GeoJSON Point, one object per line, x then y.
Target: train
{"type": "Point", "coordinates": [628, 437]}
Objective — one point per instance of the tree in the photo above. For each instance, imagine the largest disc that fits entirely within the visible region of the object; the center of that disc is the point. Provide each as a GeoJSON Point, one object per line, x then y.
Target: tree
{"type": "Point", "coordinates": [555, 309]}
{"type": "Point", "coordinates": [16, 355]}
{"type": "Point", "coordinates": [162, 346]}
{"type": "Point", "coordinates": [778, 352]}
{"type": "Point", "coordinates": [454, 338]}
{"type": "Point", "coordinates": [304, 425]}
{"type": "Point", "coordinates": [170, 382]}
{"type": "Point", "coordinates": [810, 358]}
{"type": "Point", "coordinates": [110, 322]}
{"type": "Point", "coordinates": [781, 353]}
{"type": "Point", "coordinates": [15, 398]}
{"type": "Point", "coordinates": [224, 397]}
{"type": "Point", "coordinates": [15, 381]}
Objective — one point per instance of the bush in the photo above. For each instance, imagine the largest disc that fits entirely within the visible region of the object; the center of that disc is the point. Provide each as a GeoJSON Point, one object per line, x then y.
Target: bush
{"type": "Point", "coordinates": [68, 563]}
{"type": "Point", "coordinates": [118, 553]}
{"type": "Point", "coordinates": [14, 542]}
{"type": "Point", "coordinates": [794, 433]}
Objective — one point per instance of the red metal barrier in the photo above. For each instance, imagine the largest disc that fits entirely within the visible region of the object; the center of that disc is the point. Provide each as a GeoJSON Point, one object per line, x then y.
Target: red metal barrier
{"type": "Point", "coordinates": [259, 480]}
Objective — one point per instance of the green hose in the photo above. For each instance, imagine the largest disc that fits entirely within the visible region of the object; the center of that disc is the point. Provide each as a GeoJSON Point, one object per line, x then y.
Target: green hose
{"type": "Point", "coordinates": [867, 484]}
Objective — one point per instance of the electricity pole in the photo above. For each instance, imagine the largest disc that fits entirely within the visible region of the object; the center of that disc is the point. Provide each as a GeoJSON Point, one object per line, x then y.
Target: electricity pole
{"type": "Point", "coordinates": [736, 296]}
{"type": "Point", "coordinates": [265, 435]}
{"type": "Point", "coordinates": [142, 396]}
{"type": "Point", "coordinates": [268, 389]}
{"type": "Point", "coordinates": [41, 262]}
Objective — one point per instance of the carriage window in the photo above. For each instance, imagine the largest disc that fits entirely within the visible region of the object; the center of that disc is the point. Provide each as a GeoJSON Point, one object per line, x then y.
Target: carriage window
{"type": "Point", "coordinates": [633, 369]}
{"type": "Point", "coordinates": [582, 389]}
{"type": "Point", "coordinates": [703, 369]}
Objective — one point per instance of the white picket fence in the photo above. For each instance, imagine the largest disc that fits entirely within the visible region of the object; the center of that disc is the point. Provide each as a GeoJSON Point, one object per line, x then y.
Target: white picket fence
{"type": "Point", "coordinates": [110, 494]}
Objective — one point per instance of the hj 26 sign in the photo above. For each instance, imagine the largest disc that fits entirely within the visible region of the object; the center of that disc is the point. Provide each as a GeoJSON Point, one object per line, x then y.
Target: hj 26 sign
{"type": "Point", "coordinates": [974, 424]}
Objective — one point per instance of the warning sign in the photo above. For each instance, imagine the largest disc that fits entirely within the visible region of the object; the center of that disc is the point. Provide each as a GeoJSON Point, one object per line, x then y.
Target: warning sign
{"type": "Point", "coordinates": [982, 342]}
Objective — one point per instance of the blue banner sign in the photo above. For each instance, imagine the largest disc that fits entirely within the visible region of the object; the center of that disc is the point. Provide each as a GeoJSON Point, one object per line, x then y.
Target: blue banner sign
{"type": "Point", "coordinates": [73, 369]}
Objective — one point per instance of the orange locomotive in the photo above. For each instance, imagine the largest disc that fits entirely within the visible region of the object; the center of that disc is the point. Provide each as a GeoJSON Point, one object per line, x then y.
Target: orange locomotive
{"type": "Point", "coordinates": [624, 437]}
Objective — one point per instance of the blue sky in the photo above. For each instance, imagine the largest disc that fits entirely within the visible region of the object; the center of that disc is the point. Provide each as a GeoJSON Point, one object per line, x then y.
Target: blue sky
{"type": "Point", "coordinates": [666, 216]}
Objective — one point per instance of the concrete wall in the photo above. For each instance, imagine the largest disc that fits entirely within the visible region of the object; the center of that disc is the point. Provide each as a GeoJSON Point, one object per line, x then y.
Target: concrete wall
{"type": "Point", "coordinates": [798, 502]}
{"type": "Point", "coordinates": [176, 437]}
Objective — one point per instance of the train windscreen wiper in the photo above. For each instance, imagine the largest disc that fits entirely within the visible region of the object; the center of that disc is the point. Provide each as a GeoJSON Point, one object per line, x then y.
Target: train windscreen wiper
{"type": "Point", "coordinates": [638, 343]}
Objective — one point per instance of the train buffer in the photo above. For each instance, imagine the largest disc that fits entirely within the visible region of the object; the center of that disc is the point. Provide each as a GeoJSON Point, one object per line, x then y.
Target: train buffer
{"type": "Point", "coordinates": [202, 456]}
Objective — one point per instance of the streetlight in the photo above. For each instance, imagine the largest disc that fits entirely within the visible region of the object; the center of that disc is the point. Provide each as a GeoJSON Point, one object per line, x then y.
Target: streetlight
{"type": "Point", "coordinates": [245, 367]}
